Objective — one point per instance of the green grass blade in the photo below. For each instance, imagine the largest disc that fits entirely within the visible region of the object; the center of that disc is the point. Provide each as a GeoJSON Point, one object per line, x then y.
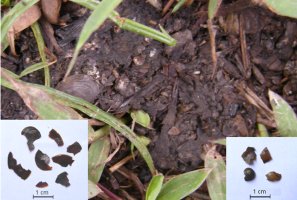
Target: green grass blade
{"type": "Point", "coordinates": [90, 110]}
{"type": "Point", "coordinates": [282, 7]}
{"type": "Point", "coordinates": [9, 18]}
{"type": "Point", "coordinates": [96, 19]}
{"type": "Point", "coordinates": [41, 48]}
{"type": "Point", "coordinates": [183, 185]}
{"type": "Point", "coordinates": [98, 153]}
{"type": "Point", "coordinates": [216, 180]}
{"type": "Point", "coordinates": [179, 4]}
{"type": "Point", "coordinates": [154, 187]}
{"type": "Point", "coordinates": [284, 115]}
{"type": "Point", "coordinates": [33, 68]}
{"type": "Point", "coordinates": [213, 7]}
{"type": "Point", "coordinates": [221, 141]}
{"type": "Point", "coordinates": [130, 25]}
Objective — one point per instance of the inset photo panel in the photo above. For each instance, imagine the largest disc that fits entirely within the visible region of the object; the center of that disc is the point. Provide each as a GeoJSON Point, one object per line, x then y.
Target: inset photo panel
{"type": "Point", "coordinates": [44, 159]}
{"type": "Point", "coordinates": [261, 168]}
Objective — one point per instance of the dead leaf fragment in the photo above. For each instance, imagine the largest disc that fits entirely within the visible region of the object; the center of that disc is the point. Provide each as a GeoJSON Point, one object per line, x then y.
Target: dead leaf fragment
{"type": "Point", "coordinates": [21, 23]}
{"type": "Point", "coordinates": [51, 10]}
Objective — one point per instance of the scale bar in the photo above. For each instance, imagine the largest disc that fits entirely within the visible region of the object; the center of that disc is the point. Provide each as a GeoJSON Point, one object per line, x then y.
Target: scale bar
{"type": "Point", "coordinates": [43, 197]}
{"type": "Point", "coordinates": [251, 197]}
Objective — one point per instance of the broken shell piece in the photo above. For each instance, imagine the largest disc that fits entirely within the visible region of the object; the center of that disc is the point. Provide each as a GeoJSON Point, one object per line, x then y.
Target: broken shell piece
{"type": "Point", "coordinates": [42, 160]}
{"type": "Point", "coordinates": [32, 134]}
{"type": "Point", "coordinates": [249, 174]}
{"type": "Point", "coordinates": [249, 156]}
{"type": "Point", "coordinates": [63, 160]}
{"type": "Point", "coordinates": [74, 148]}
{"type": "Point", "coordinates": [273, 176]}
{"type": "Point", "coordinates": [53, 134]}
{"type": "Point", "coordinates": [265, 155]}
{"type": "Point", "coordinates": [63, 179]}
{"type": "Point", "coordinates": [42, 184]}
{"type": "Point", "coordinates": [18, 169]}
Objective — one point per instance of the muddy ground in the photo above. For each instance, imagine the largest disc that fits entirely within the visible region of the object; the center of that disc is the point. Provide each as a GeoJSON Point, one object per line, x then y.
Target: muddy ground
{"type": "Point", "coordinates": [188, 106]}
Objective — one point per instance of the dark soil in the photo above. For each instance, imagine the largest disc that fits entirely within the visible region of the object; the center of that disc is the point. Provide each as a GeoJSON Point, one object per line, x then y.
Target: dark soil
{"type": "Point", "coordinates": [174, 84]}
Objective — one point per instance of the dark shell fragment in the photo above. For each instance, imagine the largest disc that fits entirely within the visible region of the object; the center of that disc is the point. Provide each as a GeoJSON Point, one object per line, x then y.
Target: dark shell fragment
{"type": "Point", "coordinates": [63, 160]}
{"type": "Point", "coordinates": [249, 156]}
{"type": "Point", "coordinates": [42, 160]}
{"type": "Point", "coordinates": [42, 184]}
{"type": "Point", "coordinates": [265, 155]}
{"type": "Point", "coordinates": [63, 179]}
{"type": "Point", "coordinates": [32, 134]}
{"type": "Point", "coordinates": [74, 148]}
{"type": "Point", "coordinates": [249, 174]}
{"type": "Point", "coordinates": [17, 168]}
{"type": "Point", "coordinates": [53, 134]}
{"type": "Point", "coordinates": [273, 176]}
{"type": "Point", "coordinates": [80, 85]}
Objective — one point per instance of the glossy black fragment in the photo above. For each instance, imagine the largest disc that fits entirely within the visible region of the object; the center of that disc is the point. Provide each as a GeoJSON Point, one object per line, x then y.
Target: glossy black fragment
{"type": "Point", "coordinates": [42, 160]}
{"type": "Point", "coordinates": [265, 155]}
{"type": "Point", "coordinates": [42, 184]}
{"type": "Point", "coordinates": [53, 134]}
{"type": "Point", "coordinates": [273, 176]}
{"type": "Point", "coordinates": [17, 168]}
{"type": "Point", "coordinates": [63, 160]}
{"type": "Point", "coordinates": [74, 148]}
{"type": "Point", "coordinates": [249, 174]}
{"type": "Point", "coordinates": [32, 134]}
{"type": "Point", "coordinates": [63, 179]}
{"type": "Point", "coordinates": [249, 156]}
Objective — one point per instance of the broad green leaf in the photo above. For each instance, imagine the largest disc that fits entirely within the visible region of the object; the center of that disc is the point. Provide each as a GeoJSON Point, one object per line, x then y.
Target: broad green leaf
{"type": "Point", "coordinates": [213, 7]}
{"type": "Point", "coordinates": [98, 153]}
{"type": "Point", "coordinates": [284, 115]}
{"type": "Point", "coordinates": [183, 185]}
{"type": "Point", "coordinates": [9, 18]}
{"type": "Point", "coordinates": [96, 19]}
{"type": "Point", "coordinates": [104, 131]}
{"type": "Point", "coordinates": [282, 7]}
{"type": "Point", "coordinates": [216, 180]}
{"type": "Point", "coordinates": [93, 189]}
{"type": "Point", "coordinates": [141, 117]}
{"type": "Point", "coordinates": [88, 109]}
{"type": "Point", "coordinates": [154, 187]}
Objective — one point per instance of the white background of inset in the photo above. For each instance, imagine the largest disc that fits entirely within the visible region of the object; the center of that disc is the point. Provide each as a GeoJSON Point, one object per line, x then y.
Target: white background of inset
{"type": "Point", "coordinates": [284, 161]}
{"type": "Point", "coordinates": [14, 188]}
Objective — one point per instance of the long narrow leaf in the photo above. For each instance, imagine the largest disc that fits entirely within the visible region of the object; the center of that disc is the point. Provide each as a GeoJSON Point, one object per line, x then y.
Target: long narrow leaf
{"type": "Point", "coordinates": [216, 180]}
{"type": "Point", "coordinates": [98, 153]}
{"type": "Point", "coordinates": [183, 185]}
{"type": "Point", "coordinates": [99, 15]}
{"type": "Point", "coordinates": [154, 187]}
{"type": "Point", "coordinates": [213, 7]}
{"type": "Point", "coordinates": [130, 25]}
{"type": "Point", "coordinates": [41, 48]}
{"type": "Point", "coordinates": [284, 115]}
{"type": "Point", "coordinates": [34, 68]}
{"type": "Point", "coordinates": [90, 110]}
